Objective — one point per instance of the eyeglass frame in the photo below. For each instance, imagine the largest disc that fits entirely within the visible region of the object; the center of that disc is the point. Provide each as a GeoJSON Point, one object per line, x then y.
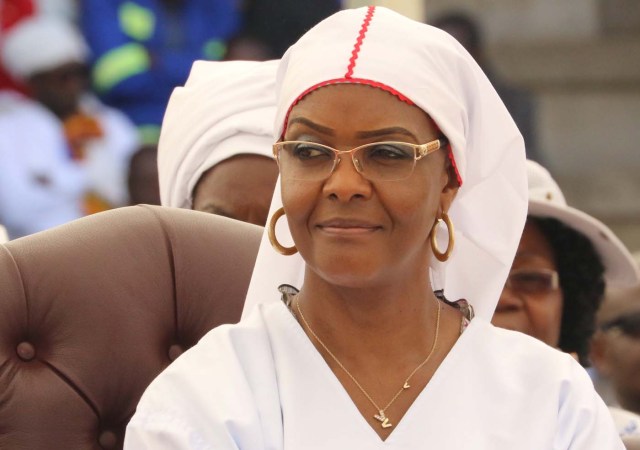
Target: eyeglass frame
{"type": "Point", "coordinates": [420, 151]}
{"type": "Point", "coordinates": [555, 279]}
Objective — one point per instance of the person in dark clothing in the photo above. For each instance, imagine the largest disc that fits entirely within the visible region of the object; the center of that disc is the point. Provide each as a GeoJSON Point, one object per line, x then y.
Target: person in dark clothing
{"type": "Point", "coordinates": [272, 26]}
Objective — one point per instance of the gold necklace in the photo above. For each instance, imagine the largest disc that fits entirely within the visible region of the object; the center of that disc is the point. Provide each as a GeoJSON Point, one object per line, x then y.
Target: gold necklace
{"type": "Point", "coordinates": [381, 416]}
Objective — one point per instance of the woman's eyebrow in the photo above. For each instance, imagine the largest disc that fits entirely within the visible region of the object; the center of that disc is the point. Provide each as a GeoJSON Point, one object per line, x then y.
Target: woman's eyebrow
{"type": "Point", "coordinates": [360, 134]}
{"type": "Point", "coordinates": [320, 128]}
{"type": "Point", "coordinates": [385, 132]}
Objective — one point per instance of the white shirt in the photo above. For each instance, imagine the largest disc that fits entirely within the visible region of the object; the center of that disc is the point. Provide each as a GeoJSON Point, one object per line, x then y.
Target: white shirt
{"type": "Point", "coordinates": [40, 185]}
{"type": "Point", "coordinates": [261, 384]}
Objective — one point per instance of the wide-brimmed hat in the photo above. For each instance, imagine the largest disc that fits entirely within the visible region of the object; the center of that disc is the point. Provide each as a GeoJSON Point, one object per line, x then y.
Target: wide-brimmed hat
{"type": "Point", "coordinates": [547, 201]}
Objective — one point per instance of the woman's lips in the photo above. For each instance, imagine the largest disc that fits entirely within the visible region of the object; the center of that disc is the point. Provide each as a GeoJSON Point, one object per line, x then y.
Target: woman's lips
{"type": "Point", "coordinates": [347, 227]}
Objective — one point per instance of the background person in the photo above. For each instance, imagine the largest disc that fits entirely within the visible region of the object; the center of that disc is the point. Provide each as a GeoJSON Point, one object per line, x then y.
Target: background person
{"type": "Point", "coordinates": [142, 177]}
{"type": "Point", "coordinates": [366, 355]}
{"type": "Point", "coordinates": [142, 49]}
{"type": "Point", "coordinates": [564, 261]}
{"type": "Point", "coordinates": [615, 353]}
{"type": "Point", "coordinates": [63, 154]}
{"type": "Point", "coordinates": [215, 150]}
{"type": "Point", "coordinates": [270, 27]}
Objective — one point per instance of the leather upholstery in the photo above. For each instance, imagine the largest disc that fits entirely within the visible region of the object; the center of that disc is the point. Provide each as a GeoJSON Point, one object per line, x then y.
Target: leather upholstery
{"type": "Point", "coordinates": [92, 311]}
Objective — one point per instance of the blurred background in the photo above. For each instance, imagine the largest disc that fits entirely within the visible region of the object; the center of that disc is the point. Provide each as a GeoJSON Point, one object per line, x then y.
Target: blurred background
{"type": "Point", "coordinates": [568, 70]}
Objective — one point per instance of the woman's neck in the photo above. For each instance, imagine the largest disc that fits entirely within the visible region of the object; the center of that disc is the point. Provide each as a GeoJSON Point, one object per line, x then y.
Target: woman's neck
{"type": "Point", "coordinates": [379, 318]}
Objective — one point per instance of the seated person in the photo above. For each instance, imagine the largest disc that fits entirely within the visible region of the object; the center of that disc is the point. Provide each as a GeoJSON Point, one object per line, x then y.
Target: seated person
{"type": "Point", "coordinates": [142, 179]}
{"type": "Point", "coordinates": [615, 352]}
{"type": "Point", "coordinates": [142, 49]}
{"type": "Point", "coordinates": [62, 153]}
{"type": "Point", "coordinates": [215, 152]}
{"type": "Point", "coordinates": [388, 134]}
{"type": "Point", "coordinates": [564, 261]}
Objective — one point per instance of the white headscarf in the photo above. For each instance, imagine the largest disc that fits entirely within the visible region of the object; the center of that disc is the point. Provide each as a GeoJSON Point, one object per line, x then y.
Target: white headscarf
{"type": "Point", "coordinates": [415, 61]}
{"type": "Point", "coordinates": [41, 43]}
{"type": "Point", "coordinates": [225, 109]}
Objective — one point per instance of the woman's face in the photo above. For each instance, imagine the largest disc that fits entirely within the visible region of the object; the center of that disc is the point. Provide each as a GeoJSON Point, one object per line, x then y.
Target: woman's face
{"type": "Point", "coordinates": [535, 311]}
{"type": "Point", "coordinates": [351, 231]}
{"type": "Point", "coordinates": [240, 188]}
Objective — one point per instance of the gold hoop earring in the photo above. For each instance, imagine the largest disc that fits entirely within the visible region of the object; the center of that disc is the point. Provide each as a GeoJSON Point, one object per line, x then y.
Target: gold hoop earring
{"type": "Point", "coordinates": [442, 256]}
{"type": "Point", "coordinates": [271, 230]}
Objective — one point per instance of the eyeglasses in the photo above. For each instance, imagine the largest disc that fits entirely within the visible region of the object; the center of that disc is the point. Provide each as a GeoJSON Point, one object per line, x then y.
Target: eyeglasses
{"type": "Point", "coordinates": [378, 161]}
{"type": "Point", "coordinates": [628, 324]}
{"type": "Point", "coordinates": [533, 281]}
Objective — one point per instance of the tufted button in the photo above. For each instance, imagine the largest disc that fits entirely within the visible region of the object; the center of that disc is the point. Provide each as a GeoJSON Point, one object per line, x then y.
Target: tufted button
{"type": "Point", "coordinates": [108, 440]}
{"type": "Point", "coordinates": [174, 351]}
{"type": "Point", "coordinates": [26, 351]}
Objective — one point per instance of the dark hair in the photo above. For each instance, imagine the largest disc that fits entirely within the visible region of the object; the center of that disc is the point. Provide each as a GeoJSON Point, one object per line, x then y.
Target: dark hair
{"type": "Point", "coordinates": [581, 274]}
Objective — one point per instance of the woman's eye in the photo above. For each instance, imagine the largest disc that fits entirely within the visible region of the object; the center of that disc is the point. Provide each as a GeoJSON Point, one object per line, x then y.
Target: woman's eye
{"type": "Point", "coordinates": [387, 151]}
{"type": "Point", "coordinates": [308, 151]}
{"type": "Point", "coordinates": [530, 278]}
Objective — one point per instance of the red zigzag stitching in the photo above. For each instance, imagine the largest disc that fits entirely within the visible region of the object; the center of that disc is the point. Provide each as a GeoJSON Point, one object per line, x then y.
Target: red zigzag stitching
{"type": "Point", "coordinates": [356, 47]}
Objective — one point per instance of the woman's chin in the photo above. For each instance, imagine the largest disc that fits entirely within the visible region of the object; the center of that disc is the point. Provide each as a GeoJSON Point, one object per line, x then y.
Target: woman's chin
{"type": "Point", "coordinates": [349, 273]}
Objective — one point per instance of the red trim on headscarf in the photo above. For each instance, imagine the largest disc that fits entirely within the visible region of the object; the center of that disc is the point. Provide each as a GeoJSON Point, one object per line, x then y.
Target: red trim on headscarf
{"type": "Point", "coordinates": [372, 83]}
{"type": "Point", "coordinates": [455, 167]}
{"type": "Point", "coordinates": [356, 48]}
{"type": "Point", "coordinates": [348, 79]}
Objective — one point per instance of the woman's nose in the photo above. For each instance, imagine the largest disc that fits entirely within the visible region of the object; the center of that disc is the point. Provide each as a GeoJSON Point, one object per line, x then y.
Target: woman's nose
{"type": "Point", "coordinates": [509, 300]}
{"type": "Point", "coordinates": [346, 183]}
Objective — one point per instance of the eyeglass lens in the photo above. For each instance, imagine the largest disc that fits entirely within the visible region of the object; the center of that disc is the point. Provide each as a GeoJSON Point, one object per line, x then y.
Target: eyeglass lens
{"type": "Point", "coordinates": [376, 161]}
{"type": "Point", "coordinates": [532, 281]}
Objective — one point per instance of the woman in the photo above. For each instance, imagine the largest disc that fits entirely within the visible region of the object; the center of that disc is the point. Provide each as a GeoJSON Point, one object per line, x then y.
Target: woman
{"type": "Point", "coordinates": [615, 352]}
{"type": "Point", "coordinates": [366, 356]}
{"type": "Point", "coordinates": [215, 148]}
{"type": "Point", "coordinates": [564, 261]}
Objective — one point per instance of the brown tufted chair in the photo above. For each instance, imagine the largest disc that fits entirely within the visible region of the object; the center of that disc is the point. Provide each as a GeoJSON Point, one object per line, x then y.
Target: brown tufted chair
{"type": "Point", "coordinates": [92, 311]}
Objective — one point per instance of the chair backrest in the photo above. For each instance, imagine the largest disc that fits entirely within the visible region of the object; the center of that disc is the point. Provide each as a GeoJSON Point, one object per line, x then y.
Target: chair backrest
{"type": "Point", "coordinates": [92, 311]}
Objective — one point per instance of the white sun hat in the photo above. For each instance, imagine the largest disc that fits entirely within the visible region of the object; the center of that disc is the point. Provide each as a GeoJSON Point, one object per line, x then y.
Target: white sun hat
{"type": "Point", "coordinates": [224, 109]}
{"type": "Point", "coordinates": [547, 201]}
{"type": "Point", "coordinates": [424, 66]}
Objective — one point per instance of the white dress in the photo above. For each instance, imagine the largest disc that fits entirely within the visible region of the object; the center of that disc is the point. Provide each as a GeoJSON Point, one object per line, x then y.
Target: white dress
{"type": "Point", "coordinates": [261, 384]}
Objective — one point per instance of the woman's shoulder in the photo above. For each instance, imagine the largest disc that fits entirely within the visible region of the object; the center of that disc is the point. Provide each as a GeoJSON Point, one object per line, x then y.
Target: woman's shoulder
{"type": "Point", "coordinates": [226, 348]}
{"type": "Point", "coordinates": [536, 384]}
{"type": "Point", "coordinates": [511, 354]}
{"type": "Point", "coordinates": [225, 383]}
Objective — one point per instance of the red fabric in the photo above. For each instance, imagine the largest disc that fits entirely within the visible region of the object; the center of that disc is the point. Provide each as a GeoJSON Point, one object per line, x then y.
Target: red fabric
{"type": "Point", "coordinates": [12, 12]}
{"type": "Point", "coordinates": [339, 81]}
{"type": "Point", "coordinates": [358, 44]}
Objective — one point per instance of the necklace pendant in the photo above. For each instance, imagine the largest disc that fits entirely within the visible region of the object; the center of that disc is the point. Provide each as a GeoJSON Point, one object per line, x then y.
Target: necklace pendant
{"type": "Point", "coordinates": [383, 419]}
{"type": "Point", "coordinates": [406, 385]}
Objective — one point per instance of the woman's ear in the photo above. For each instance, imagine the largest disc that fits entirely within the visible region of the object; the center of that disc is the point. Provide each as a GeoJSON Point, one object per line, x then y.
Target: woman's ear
{"type": "Point", "coordinates": [450, 187]}
{"type": "Point", "coordinates": [598, 353]}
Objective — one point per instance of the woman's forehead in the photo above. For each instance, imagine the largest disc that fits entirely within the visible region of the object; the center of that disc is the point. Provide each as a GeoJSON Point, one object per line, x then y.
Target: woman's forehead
{"type": "Point", "coordinates": [358, 107]}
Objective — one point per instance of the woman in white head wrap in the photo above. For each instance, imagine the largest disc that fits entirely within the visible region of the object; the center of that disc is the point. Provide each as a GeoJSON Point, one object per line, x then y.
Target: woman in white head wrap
{"type": "Point", "coordinates": [366, 356]}
{"type": "Point", "coordinates": [215, 151]}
